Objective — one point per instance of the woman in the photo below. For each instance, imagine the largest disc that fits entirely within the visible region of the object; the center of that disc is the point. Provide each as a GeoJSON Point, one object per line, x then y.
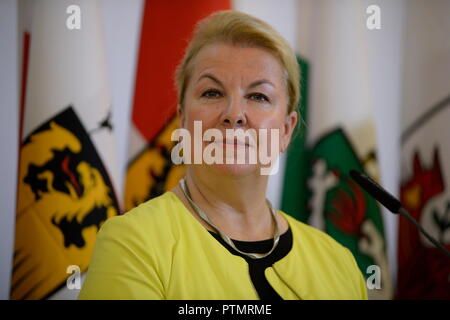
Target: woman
{"type": "Point", "coordinates": [215, 236]}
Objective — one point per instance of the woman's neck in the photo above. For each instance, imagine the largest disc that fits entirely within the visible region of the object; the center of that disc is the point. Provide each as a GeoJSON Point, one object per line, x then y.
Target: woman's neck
{"type": "Point", "coordinates": [236, 205]}
{"type": "Point", "coordinates": [237, 194]}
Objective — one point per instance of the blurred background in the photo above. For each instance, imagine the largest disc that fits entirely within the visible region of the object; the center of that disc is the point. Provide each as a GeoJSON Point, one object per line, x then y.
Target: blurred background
{"type": "Point", "coordinates": [88, 104]}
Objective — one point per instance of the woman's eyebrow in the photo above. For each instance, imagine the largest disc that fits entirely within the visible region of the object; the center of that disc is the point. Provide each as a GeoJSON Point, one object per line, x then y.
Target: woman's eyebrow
{"type": "Point", "coordinates": [260, 82]}
{"type": "Point", "coordinates": [210, 76]}
{"type": "Point", "coordinates": [252, 85]}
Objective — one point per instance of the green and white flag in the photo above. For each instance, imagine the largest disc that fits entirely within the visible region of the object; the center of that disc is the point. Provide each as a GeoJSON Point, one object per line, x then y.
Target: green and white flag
{"type": "Point", "coordinates": [339, 136]}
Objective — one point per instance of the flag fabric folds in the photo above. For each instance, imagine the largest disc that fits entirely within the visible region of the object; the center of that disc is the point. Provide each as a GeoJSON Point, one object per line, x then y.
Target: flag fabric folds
{"type": "Point", "coordinates": [339, 136]}
{"type": "Point", "coordinates": [423, 270]}
{"type": "Point", "coordinates": [67, 174]}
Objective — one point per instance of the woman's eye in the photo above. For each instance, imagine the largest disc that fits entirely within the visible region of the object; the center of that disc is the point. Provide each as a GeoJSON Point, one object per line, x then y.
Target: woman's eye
{"type": "Point", "coordinates": [259, 97]}
{"type": "Point", "coordinates": [212, 93]}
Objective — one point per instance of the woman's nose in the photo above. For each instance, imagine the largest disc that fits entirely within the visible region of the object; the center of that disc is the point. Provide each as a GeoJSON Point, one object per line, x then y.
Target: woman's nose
{"type": "Point", "coordinates": [234, 115]}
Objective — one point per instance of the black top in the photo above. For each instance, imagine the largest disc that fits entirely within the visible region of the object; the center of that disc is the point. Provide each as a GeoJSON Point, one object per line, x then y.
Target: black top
{"type": "Point", "coordinates": [258, 266]}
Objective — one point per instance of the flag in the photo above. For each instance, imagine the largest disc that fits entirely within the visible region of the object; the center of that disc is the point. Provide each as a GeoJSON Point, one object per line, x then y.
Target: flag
{"type": "Point", "coordinates": [423, 270]}
{"type": "Point", "coordinates": [67, 173]}
{"type": "Point", "coordinates": [336, 103]}
{"type": "Point", "coordinates": [166, 29]}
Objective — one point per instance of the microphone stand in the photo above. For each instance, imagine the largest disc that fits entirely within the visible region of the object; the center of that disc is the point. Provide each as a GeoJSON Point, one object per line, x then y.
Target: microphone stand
{"type": "Point", "coordinates": [391, 203]}
{"type": "Point", "coordinates": [406, 214]}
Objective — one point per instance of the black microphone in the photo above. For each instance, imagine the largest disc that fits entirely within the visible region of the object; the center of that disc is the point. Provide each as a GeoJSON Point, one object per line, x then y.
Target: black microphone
{"type": "Point", "coordinates": [390, 202]}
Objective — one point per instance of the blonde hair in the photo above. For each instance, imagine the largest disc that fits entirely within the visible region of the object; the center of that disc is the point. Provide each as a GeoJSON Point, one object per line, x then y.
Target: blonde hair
{"type": "Point", "coordinates": [239, 28]}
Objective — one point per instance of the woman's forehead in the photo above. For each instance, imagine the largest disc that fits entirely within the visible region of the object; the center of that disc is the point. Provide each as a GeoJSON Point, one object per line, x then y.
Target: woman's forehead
{"type": "Point", "coordinates": [228, 61]}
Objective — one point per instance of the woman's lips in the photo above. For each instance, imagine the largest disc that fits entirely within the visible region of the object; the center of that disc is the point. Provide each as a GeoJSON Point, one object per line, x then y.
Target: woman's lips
{"type": "Point", "coordinates": [232, 143]}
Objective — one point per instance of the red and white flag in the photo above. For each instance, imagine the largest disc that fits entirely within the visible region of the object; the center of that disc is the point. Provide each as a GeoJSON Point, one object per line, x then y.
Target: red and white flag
{"type": "Point", "coordinates": [423, 270]}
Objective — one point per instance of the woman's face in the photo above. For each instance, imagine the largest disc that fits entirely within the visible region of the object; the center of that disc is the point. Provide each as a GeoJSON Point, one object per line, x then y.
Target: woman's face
{"type": "Point", "coordinates": [235, 87]}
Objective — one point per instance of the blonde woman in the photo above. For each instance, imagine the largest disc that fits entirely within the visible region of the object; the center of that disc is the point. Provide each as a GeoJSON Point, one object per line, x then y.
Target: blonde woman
{"type": "Point", "coordinates": [216, 236]}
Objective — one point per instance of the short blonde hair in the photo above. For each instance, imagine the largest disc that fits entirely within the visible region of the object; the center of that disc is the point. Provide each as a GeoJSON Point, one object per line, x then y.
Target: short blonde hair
{"type": "Point", "coordinates": [239, 28]}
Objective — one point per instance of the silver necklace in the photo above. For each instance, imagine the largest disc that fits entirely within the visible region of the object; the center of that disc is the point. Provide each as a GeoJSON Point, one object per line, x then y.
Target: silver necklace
{"type": "Point", "coordinates": [276, 237]}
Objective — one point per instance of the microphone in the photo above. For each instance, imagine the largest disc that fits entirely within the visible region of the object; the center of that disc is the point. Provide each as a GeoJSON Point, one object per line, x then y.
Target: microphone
{"type": "Point", "coordinates": [391, 203]}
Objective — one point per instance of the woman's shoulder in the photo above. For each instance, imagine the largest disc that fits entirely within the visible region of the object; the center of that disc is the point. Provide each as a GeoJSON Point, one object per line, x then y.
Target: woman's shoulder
{"type": "Point", "coordinates": [313, 237]}
{"type": "Point", "coordinates": [157, 208]}
{"type": "Point", "coordinates": [328, 258]}
{"type": "Point", "coordinates": [153, 217]}
{"type": "Point", "coordinates": [135, 245]}
{"type": "Point", "coordinates": [315, 245]}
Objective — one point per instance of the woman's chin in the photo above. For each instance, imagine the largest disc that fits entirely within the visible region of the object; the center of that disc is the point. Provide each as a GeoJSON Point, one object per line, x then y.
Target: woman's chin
{"type": "Point", "coordinates": [236, 169]}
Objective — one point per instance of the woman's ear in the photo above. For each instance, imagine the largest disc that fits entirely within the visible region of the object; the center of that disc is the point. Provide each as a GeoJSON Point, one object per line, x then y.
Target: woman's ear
{"type": "Point", "coordinates": [181, 116]}
{"type": "Point", "coordinates": [288, 128]}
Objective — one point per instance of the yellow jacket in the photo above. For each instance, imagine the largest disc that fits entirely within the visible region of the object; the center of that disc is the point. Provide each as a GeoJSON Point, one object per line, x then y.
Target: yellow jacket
{"type": "Point", "coordinates": [159, 250]}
